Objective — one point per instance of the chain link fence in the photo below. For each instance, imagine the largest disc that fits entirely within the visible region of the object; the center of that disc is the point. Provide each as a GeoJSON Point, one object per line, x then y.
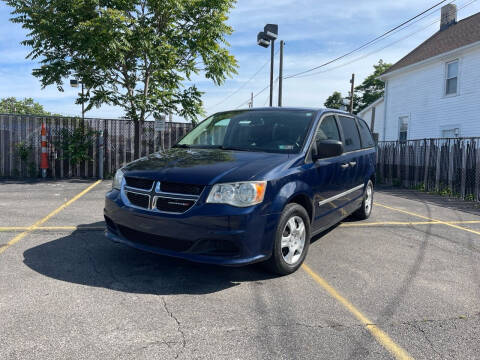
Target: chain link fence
{"type": "Point", "coordinates": [446, 166]}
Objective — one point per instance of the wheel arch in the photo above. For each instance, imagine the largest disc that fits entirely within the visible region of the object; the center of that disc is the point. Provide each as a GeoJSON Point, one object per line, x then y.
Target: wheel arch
{"type": "Point", "coordinates": [294, 192]}
{"type": "Point", "coordinates": [303, 200]}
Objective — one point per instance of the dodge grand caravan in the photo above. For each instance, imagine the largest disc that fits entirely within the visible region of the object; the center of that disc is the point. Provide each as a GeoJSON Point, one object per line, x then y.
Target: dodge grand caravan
{"type": "Point", "coordinates": [246, 186]}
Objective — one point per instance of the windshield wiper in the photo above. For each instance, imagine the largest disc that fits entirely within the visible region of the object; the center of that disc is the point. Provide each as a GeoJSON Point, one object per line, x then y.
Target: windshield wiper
{"type": "Point", "coordinates": [183, 146]}
{"type": "Point", "coordinates": [234, 148]}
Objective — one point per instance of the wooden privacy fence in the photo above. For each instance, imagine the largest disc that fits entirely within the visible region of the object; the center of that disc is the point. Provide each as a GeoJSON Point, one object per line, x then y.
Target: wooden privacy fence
{"type": "Point", "coordinates": [20, 144]}
{"type": "Point", "coordinates": [448, 166]}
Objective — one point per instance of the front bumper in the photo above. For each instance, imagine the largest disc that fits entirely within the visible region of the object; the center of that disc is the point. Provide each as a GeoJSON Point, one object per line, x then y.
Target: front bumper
{"type": "Point", "coordinates": [208, 233]}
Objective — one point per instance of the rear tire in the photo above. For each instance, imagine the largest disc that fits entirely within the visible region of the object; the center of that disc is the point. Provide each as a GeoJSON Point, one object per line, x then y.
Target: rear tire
{"type": "Point", "coordinates": [292, 240]}
{"type": "Point", "coordinates": [365, 210]}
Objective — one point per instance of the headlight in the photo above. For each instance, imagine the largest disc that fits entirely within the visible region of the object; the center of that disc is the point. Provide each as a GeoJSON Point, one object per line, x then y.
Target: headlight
{"type": "Point", "coordinates": [239, 194]}
{"type": "Point", "coordinates": [117, 180]}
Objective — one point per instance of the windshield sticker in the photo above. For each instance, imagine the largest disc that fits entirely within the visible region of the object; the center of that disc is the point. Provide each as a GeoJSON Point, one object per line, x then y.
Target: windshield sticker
{"type": "Point", "coordinates": [285, 147]}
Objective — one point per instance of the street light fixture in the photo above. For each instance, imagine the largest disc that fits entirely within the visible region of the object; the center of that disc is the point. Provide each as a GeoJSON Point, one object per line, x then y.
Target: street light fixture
{"type": "Point", "coordinates": [266, 38]}
{"type": "Point", "coordinates": [74, 83]}
{"type": "Point", "coordinates": [262, 40]}
{"type": "Point", "coordinates": [271, 31]}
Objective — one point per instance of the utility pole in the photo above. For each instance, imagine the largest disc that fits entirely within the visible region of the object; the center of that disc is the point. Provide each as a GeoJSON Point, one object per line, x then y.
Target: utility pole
{"type": "Point", "coordinates": [372, 123]}
{"type": "Point", "coordinates": [280, 75]}
{"type": "Point", "coordinates": [352, 82]}
{"type": "Point", "coordinates": [250, 104]}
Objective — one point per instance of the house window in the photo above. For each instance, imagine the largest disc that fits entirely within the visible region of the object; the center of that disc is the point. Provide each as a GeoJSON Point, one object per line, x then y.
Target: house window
{"type": "Point", "coordinates": [451, 133]}
{"type": "Point", "coordinates": [402, 128]}
{"type": "Point", "coordinates": [451, 81]}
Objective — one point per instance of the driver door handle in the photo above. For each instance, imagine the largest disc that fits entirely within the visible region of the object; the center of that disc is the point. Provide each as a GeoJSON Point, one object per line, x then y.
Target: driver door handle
{"type": "Point", "coordinates": [353, 163]}
{"type": "Point", "coordinates": [344, 166]}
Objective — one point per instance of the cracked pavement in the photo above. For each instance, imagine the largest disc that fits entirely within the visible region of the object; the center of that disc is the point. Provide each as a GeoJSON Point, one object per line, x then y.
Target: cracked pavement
{"type": "Point", "coordinates": [74, 294]}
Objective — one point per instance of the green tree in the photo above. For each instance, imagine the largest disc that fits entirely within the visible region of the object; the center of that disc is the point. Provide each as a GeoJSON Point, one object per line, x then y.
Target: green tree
{"type": "Point", "coordinates": [334, 101]}
{"type": "Point", "coordinates": [136, 54]}
{"type": "Point", "coordinates": [371, 88]}
{"type": "Point", "coordinates": [27, 106]}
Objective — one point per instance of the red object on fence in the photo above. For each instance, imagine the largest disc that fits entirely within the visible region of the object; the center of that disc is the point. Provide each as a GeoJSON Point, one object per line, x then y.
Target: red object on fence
{"type": "Point", "coordinates": [44, 157]}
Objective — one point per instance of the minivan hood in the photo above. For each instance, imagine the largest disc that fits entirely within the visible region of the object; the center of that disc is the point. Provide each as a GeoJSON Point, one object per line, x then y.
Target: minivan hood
{"type": "Point", "coordinates": [205, 166]}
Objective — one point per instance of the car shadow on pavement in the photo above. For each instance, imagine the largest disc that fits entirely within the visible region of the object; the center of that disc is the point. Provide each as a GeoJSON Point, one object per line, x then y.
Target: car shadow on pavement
{"type": "Point", "coordinates": [87, 257]}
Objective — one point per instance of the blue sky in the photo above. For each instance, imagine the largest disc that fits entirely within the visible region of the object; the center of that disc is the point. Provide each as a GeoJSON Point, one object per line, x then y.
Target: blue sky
{"type": "Point", "coordinates": [315, 31]}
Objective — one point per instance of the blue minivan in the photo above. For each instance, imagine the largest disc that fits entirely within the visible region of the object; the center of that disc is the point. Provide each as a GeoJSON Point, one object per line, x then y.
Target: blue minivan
{"type": "Point", "coordinates": [246, 186]}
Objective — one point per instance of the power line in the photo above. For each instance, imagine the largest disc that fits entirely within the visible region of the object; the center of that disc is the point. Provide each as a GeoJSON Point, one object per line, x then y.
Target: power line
{"type": "Point", "coordinates": [273, 90]}
{"type": "Point", "coordinates": [366, 44]}
{"type": "Point", "coordinates": [257, 94]}
{"type": "Point", "coordinates": [389, 33]}
{"type": "Point", "coordinates": [254, 96]}
{"type": "Point", "coordinates": [380, 49]}
{"type": "Point", "coordinates": [242, 86]}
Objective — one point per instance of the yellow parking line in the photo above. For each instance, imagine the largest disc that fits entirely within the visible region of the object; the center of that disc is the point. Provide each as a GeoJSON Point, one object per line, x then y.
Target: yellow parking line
{"type": "Point", "coordinates": [380, 223]}
{"type": "Point", "coordinates": [347, 224]}
{"type": "Point", "coordinates": [387, 223]}
{"type": "Point", "coordinates": [451, 224]}
{"type": "Point", "coordinates": [46, 218]}
{"type": "Point", "coordinates": [377, 333]}
{"type": "Point", "coordinates": [49, 228]}
{"type": "Point", "coordinates": [13, 228]}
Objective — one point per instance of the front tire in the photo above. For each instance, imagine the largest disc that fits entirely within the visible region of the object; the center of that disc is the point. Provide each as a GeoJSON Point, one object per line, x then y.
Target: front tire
{"type": "Point", "coordinates": [365, 210]}
{"type": "Point", "coordinates": [292, 240]}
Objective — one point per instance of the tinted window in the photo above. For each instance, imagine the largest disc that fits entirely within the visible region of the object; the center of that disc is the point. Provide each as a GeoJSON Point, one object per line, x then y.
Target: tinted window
{"type": "Point", "coordinates": [365, 135]}
{"type": "Point", "coordinates": [328, 130]}
{"type": "Point", "coordinates": [351, 141]}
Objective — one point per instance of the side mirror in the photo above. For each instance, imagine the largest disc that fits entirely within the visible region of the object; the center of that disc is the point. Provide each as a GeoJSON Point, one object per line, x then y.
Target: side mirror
{"type": "Point", "coordinates": [328, 148]}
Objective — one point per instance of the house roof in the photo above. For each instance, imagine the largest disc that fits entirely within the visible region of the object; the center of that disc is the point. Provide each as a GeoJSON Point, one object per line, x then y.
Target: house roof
{"type": "Point", "coordinates": [464, 32]}
{"type": "Point", "coordinates": [375, 103]}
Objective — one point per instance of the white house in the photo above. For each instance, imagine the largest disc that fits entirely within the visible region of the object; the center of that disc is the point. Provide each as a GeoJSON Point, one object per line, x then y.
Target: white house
{"type": "Point", "coordinates": [434, 91]}
{"type": "Point", "coordinates": [374, 115]}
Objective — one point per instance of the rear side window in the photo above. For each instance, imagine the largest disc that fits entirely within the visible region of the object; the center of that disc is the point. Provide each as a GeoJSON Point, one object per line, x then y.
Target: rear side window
{"type": "Point", "coordinates": [328, 130]}
{"type": "Point", "coordinates": [351, 141]}
{"type": "Point", "coordinates": [365, 135]}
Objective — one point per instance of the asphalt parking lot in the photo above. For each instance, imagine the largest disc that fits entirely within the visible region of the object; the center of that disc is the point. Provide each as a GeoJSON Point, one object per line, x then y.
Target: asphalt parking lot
{"type": "Point", "coordinates": [404, 284]}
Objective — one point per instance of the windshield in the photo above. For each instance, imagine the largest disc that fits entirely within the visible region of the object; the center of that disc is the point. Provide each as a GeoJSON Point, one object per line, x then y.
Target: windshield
{"type": "Point", "coordinates": [281, 131]}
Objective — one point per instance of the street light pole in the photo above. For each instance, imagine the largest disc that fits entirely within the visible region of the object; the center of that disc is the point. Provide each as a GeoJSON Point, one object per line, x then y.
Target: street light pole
{"type": "Point", "coordinates": [272, 60]}
{"type": "Point", "coordinates": [266, 38]}
{"type": "Point", "coordinates": [74, 83]}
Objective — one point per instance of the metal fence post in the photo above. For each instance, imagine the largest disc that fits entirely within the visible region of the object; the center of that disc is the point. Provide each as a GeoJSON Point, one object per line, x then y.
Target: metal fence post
{"type": "Point", "coordinates": [427, 163]}
{"type": "Point", "coordinates": [437, 167]}
{"type": "Point", "coordinates": [477, 171]}
{"type": "Point", "coordinates": [463, 177]}
{"type": "Point", "coordinates": [406, 180]}
{"type": "Point", "coordinates": [451, 149]}
{"type": "Point", "coordinates": [100, 155]}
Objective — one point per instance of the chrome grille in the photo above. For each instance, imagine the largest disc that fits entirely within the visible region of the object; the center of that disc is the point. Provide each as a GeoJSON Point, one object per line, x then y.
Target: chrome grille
{"type": "Point", "coordinates": [157, 196]}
